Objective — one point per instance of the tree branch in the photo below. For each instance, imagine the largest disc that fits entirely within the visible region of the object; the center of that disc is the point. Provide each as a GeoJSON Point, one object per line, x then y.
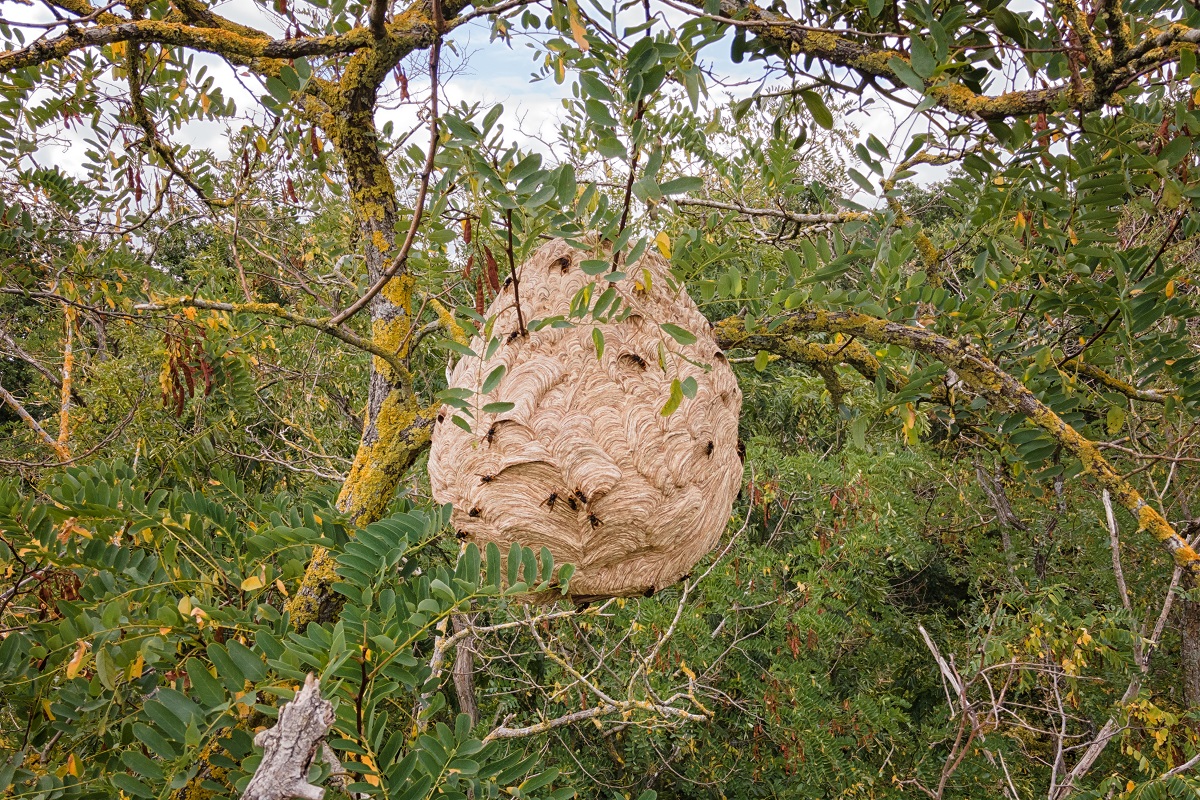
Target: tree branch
{"type": "Point", "coordinates": [289, 747]}
{"type": "Point", "coordinates": [277, 311]}
{"type": "Point", "coordinates": [834, 47]}
{"type": "Point", "coordinates": [777, 213]}
{"type": "Point", "coordinates": [979, 373]}
{"type": "Point", "coordinates": [20, 411]}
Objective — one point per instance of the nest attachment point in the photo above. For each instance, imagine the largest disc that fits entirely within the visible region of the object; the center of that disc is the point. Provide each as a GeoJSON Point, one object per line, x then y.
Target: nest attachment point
{"type": "Point", "coordinates": [585, 463]}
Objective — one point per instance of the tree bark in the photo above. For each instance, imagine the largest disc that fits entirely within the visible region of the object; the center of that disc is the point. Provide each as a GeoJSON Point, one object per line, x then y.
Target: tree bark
{"type": "Point", "coordinates": [289, 747]}
{"type": "Point", "coordinates": [1189, 650]}
{"type": "Point", "coordinates": [464, 668]}
{"type": "Point", "coordinates": [395, 427]}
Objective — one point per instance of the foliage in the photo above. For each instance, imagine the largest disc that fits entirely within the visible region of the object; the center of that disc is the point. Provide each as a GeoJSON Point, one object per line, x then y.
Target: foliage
{"type": "Point", "coordinates": [146, 690]}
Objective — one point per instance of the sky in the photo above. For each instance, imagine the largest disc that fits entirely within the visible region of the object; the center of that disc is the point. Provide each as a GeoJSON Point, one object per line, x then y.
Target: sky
{"type": "Point", "coordinates": [479, 71]}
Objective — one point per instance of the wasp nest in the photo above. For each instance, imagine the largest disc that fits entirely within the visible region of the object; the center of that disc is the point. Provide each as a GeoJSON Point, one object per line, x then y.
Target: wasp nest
{"type": "Point", "coordinates": [584, 462]}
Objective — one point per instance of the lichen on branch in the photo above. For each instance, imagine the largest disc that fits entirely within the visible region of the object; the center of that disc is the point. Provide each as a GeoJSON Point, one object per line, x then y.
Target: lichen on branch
{"type": "Point", "coordinates": [983, 376]}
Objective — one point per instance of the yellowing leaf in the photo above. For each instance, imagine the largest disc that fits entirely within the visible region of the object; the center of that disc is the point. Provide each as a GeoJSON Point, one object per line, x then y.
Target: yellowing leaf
{"type": "Point", "coordinates": [76, 662]}
{"type": "Point", "coordinates": [73, 765]}
{"type": "Point", "coordinates": [135, 669]}
{"type": "Point", "coordinates": [577, 30]}
{"type": "Point", "coordinates": [1170, 290]}
{"type": "Point", "coordinates": [252, 583]}
{"type": "Point", "coordinates": [664, 243]}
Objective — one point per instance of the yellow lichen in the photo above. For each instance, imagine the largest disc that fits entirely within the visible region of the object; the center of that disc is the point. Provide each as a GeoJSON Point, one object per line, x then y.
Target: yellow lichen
{"type": "Point", "coordinates": [447, 321]}
{"type": "Point", "coordinates": [314, 592]}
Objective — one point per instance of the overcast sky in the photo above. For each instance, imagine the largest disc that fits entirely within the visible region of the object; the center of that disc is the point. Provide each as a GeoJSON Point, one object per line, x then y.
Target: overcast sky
{"type": "Point", "coordinates": [484, 71]}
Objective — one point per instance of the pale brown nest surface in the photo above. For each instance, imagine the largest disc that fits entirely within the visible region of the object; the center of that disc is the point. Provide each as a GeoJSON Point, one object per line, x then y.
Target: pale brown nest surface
{"type": "Point", "coordinates": [585, 463]}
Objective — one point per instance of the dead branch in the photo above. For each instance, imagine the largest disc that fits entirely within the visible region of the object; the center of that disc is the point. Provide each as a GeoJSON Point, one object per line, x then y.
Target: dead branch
{"type": "Point", "coordinates": [289, 747]}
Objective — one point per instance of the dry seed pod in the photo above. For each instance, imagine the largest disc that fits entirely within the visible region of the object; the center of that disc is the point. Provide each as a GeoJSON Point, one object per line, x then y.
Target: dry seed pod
{"type": "Point", "coordinates": [584, 462]}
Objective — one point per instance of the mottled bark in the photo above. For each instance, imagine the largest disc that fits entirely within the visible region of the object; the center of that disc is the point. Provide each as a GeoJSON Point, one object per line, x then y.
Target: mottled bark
{"type": "Point", "coordinates": [464, 668]}
{"type": "Point", "coordinates": [289, 747]}
{"type": "Point", "coordinates": [980, 375]}
{"type": "Point", "coordinates": [1189, 649]}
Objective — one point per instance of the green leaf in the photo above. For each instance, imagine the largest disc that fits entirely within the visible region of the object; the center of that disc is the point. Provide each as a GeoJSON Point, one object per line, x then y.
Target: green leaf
{"type": "Point", "coordinates": [498, 408]}
{"type": "Point", "coordinates": [536, 782]}
{"type": "Point", "coordinates": [598, 113]}
{"type": "Point", "coordinates": [817, 108]}
{"type": "Point", "coordinates": [564, 576]}
{"type": "Point", "coordinates": [1115, 420]}
{"type": "Point", "coordinates": [1009, 24]}
{"type": "Point", "coordinates": [593, 86]}
{"type": "Point", "coordinates": [598, 341]}
{"type": "Point", "coordinates": [461, 349]}
{"type": "Point", "coordinates": [142, 765]}
{"type": "Point", "coordinates": [130, 785]}
{"type": "Point", "coordinates": [673, 400]}
{"type": "Point", "coordinates": [1187, 62]}
{"type": "Point", "coordinates": [682, 185]}
{"type": "Point", "coordinates": [679, 334]}
{"type": "Point", "coordinates": [906, 74]}
{"type": "Point", "coordinates": [250, 664]}
{"type": "Point", "coordinates": [493, 564]}
{"type": "Point", "coordinates": [794, 264]}
{"type": "Point", "coordinates": [514, 562]}
{"type": "Point", "coordinates": [493, 379]}
{"type": "Point", "coordinates": [863, 181]}
{"type": "Point", "coordinates": [923, 61]}
{"type": "Point", "coordinates": [278, 90]}
{"type": "Point", "coordinates": [206, 687]}
{"type": "Point", "coordinates": [761, 359]}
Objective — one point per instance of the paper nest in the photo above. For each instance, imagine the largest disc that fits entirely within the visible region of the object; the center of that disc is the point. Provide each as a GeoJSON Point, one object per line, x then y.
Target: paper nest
{"type": "Point", "coordinates": [585, 463]}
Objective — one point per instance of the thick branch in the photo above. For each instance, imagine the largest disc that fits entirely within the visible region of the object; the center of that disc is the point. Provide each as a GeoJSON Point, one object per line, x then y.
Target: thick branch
{"type": "Point", "coordinates": [1108, 75]}
{"type": "Point", "coordinates": [979, 373]}
{"type": "Point", "coordinates": [1117, 385]}
{"type": "Point", "coordinates": [289, 747]}
{"type": "Point", "coordinates": [20, 411]}
{"type": "Point", "coordinates": [210, 40]}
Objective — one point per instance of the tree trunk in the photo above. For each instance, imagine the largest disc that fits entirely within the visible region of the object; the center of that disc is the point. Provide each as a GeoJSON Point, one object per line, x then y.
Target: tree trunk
{"type": "Point", "coordinates": [395, 427]}
{"type": "Point", "coordinates": [1189, 650]}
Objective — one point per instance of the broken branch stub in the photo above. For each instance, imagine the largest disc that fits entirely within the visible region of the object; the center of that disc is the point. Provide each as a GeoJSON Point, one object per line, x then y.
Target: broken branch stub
{"type": "Point", "coordinates": [288, 748]}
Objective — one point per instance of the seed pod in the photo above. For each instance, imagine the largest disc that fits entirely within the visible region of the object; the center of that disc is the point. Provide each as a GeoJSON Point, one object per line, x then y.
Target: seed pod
{"type": "Point", "coordinates": [492, 275]}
